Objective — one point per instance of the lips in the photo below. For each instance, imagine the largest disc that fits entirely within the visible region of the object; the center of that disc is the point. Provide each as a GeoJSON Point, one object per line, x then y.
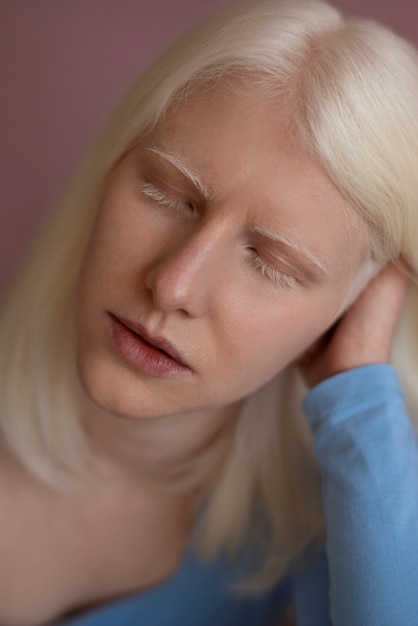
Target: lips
{"type": "Point", "coordinates": [151, 354]}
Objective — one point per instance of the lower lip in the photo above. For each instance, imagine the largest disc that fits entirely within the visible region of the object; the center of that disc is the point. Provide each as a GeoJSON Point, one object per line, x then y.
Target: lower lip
{"type": "Point", "coordinates": [142, 355]}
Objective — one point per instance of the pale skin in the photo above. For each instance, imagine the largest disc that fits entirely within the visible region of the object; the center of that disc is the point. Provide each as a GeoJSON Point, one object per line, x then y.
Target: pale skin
{"type": "Point", "coordinates": [364, 336]}
{"type": "Point", "coordinates": [365, 333]}
{"type": "Point", "coordinates": [227, 275]}
{"type": "Point", "coordinates": [192, 281]}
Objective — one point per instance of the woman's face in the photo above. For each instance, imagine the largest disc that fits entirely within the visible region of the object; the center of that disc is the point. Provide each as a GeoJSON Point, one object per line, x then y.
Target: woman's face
{"type": "Point", "coordinates": [219, 236]}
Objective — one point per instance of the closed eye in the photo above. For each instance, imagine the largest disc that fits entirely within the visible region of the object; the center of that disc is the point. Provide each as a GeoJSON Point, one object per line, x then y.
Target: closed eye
{"type": "Point", "coordinates": [281, 278]}
{"type": "Point", "coordinates": [163, 199]}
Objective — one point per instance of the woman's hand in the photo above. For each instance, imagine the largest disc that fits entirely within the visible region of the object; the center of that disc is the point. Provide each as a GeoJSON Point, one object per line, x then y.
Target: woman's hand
{"type": "Point", "coordinates": [364, 335]}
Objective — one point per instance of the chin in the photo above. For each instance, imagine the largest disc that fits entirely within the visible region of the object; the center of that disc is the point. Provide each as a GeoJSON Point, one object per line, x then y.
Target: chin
{"type": "Point", "coordinates": [113, 388]}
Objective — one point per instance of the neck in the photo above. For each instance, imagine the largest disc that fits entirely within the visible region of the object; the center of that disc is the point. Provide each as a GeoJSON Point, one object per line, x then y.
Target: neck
{"type": "Point", "coordinates": [157, 450]}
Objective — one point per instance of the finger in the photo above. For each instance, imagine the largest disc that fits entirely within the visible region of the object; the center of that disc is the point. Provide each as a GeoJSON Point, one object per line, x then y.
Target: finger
{"type": "Point", "coordinates": [381, 303]}
{"type": "Point", "coordinates": [371, 321]}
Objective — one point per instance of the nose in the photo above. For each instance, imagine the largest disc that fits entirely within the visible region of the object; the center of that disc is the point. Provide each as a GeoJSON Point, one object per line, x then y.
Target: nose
{"type": "Point", "coordinates": [188, 274]}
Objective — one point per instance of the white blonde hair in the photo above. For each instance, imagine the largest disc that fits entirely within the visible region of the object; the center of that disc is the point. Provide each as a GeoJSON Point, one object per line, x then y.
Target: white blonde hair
{"type": "Point", "coordinates": [349, 91]}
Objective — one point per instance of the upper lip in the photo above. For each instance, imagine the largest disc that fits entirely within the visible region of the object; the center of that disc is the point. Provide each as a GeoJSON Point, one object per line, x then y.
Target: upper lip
{"type": "Point", "coordinates": [158, 342]}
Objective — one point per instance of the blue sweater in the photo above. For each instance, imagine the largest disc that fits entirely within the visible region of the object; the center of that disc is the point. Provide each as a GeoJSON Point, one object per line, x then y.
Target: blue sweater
{"type": "Point", "coordinates": [368, 573]}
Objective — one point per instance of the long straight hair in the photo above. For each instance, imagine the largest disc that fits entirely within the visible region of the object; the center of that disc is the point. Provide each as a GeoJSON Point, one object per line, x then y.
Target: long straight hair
{"type": "Point", "coordinates": [348, 90]}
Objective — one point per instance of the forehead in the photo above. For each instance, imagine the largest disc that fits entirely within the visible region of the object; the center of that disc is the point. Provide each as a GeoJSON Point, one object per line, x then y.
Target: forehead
{"type": "Point", "coordinates": [238, 147]}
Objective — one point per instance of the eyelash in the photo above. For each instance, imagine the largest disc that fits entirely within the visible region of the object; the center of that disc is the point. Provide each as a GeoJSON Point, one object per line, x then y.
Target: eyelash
{"type": "Point", "coordinates": [280, 278]}
{"type": "Point", "coordinates": [173, 204]}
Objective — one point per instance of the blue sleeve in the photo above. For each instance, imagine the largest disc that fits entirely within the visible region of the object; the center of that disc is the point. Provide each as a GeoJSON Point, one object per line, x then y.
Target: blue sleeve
{"type": "Point", "coordinates": [366, 447]}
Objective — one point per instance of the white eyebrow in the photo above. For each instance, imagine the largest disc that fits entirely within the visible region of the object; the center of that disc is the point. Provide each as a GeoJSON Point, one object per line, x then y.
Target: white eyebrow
{"type": "Point", "coordinates": [184, 169]}
{"type": "Point", "coordinates": [195, 180]}
{"type": "Point", "coordinates": [291, 243]}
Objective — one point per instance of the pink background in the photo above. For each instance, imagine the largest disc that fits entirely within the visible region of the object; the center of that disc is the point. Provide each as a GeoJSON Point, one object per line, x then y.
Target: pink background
{"type": "Point", "coordinates": [63, 64]}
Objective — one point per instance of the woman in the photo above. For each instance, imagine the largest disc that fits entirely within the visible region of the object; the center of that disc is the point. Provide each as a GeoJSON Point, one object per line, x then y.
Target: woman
{"type": "Point", "coordinates": [257, 179]}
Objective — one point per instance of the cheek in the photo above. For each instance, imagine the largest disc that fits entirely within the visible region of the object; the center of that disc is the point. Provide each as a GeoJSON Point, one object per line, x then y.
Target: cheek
{"type": "Point", "coordinates": [276, 337]}
{"type": "Point", "coordinates": [112, 248]}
